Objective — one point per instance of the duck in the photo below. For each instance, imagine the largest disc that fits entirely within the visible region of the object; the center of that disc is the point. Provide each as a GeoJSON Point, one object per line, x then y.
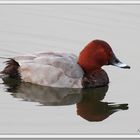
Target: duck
{"type": "Point", "coordinates": [65, 70]}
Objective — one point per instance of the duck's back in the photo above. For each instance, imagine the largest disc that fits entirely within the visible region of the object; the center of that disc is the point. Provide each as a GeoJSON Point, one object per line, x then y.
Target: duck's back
{"type": "Point", "coordinates": [50, 69]}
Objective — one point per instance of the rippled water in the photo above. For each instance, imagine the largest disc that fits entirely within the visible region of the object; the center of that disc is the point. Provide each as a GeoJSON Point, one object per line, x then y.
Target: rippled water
{"type": "Point", "coordinates": [31, 109]}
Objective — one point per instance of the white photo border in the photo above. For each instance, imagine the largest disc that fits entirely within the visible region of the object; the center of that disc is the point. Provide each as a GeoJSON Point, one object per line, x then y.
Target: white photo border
{"type": "Point", "coordinates": [72, 2]}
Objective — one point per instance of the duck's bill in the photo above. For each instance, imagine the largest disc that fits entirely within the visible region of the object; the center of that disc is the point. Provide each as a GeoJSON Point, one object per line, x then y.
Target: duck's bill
{"type": "Point", "coordinates": [116, 62]}
{"type": "Point", "coordinates": [121, 65]}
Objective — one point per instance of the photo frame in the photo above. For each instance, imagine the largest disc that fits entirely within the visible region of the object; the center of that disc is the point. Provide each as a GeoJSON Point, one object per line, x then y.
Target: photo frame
{"type": "Point", "coordinates": [67, 26]}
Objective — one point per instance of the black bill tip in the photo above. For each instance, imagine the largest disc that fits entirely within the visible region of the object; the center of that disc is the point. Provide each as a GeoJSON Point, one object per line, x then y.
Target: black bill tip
{"type": "Point", "coordinates": [126, 67]}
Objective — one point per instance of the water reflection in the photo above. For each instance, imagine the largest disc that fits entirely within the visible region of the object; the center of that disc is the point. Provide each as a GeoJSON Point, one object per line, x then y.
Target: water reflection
{"type": "Point", "coordinates": [47, 96]}
{"type": "Point", "coordinates": [88, 102]}
{"type": "Point", "coordinates": [92, 108]}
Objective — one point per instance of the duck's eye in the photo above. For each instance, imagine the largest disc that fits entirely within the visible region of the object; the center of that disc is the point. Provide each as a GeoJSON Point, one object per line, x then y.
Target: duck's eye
{"type": "Point", "coordinates": [116, 61]}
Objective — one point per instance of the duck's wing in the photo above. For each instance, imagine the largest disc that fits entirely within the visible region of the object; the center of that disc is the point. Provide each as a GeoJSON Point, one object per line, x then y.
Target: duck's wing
{"type": "Point", "coordinates": [51, 69]}
{"type": "Point", "coordinates": [64, 61]}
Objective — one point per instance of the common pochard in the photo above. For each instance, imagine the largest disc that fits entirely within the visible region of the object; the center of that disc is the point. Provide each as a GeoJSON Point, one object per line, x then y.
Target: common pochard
{"type": "Point", "coordinates": [65, 70]}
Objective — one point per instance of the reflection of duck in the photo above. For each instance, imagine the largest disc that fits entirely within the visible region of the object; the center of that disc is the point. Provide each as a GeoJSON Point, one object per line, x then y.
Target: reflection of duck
{"type": "Point", "coordinates": [42, 94]}
{"type": "Point", "coordinates": [65, 70]}
{"type": "Point", "coordinates": [92, 108]}
{"type": "Point", "coordinates": [88, 101]}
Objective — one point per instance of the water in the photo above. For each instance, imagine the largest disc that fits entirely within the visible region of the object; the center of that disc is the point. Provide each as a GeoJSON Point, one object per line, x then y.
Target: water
{"type": "Point", "coordinates": [30, 109]}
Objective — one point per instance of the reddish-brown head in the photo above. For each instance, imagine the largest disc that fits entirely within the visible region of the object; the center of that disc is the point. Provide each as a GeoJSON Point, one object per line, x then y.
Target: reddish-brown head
{"type": "Point", "coordinates": [96, 54]}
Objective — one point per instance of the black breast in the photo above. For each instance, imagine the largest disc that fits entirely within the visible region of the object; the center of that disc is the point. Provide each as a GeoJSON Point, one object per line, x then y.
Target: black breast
{"type": "Point", "coordinates": [97, 78]}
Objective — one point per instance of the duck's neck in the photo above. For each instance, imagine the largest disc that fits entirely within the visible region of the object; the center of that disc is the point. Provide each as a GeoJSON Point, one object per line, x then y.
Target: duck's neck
{"type": "Point", "coordinates": [89, 68]}
{"type": "Point", "coordinates": [88, 65]}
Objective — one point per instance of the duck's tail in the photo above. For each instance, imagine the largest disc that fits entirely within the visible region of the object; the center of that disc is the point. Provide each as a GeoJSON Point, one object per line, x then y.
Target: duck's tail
{"type": "Point", "coordinates": [11, 68]}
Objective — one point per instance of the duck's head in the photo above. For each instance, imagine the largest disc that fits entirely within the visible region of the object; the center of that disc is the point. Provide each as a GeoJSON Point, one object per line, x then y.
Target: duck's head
{"type": "Point", "coordinates": [96, 54]}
